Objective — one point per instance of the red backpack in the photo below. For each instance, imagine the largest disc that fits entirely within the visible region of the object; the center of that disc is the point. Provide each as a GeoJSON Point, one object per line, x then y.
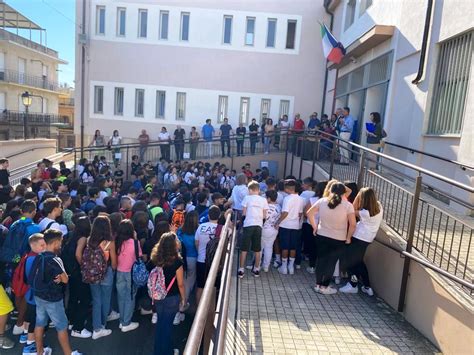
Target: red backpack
{"type": "Point", "coordinates": [19, 285]}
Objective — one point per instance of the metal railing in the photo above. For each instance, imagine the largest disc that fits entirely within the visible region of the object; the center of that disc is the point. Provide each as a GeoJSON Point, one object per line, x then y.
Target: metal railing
{"type": "Point", "coordinates": [6, 35]}
{"type": "Point", "coordinates": [13, 76]}
{"type": "Point", "coordinates": [66, 101]}
{"type": "Point", "coordinates": [430, 227]}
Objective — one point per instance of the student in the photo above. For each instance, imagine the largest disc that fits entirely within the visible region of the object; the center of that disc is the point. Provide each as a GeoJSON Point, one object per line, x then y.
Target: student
{"type": "Point", "coordinates": [52, 208]}
{"type": "Point", "coordinates": [177, 220]}
{"type": "Point", "coordinates": [126, 207]}
{"type": "Point", "coordinates": [152, 180]}
{"type": "Point", "coordinates": [335, 215]}
{"type": "Point", "coordinates": [269, 230]}
{"type": "Point", "coordinates": [254, 210]}
{"type": "Point", "coordinates": [6, 307]}
{"type": "Point", "coordinates": [135, 165]}
{"type": "Point", "coordinates": [204, 233]}
{"type": "Point", "coordinates": [127, 247]}
{"type": "Point", "coordinates": [154, 207]}
{"type": "Point", "coordinates": [289, 225]}
{"type": "Point", "coordinates": [90, 204]}
{"type": "Point", "coordinates": [370, 214]}
{"type": "Point", "coordinates": [47, 276]}
{"type": "Point", "coordinates": [307, 193]}
{"type": "Point", "coordinates": [238, 193]}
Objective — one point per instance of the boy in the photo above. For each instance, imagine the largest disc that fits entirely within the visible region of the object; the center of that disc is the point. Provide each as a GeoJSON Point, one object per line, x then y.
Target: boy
{"type": "Point", "coordinates": [254, 210]}
{"type": "Point", "coordinates": [218, 200]}
{"type": "Point", "coordinates": [289, 225]}
{"type": "Point", "coordinates": [52, 208]}
{"type": "Point", "coordinates": [269, 230]}
{"type": "Point", "coordinates": [154, 207]}
{"type": "Point", "coordinates": [135, 164]}
{"type": "Point", "coordinates": [90, 204]}
{"type": "Point", "coordinates": [151, 183]}
{"type": "Point", "coordinates": [177, 220]}
{"type": "Point", "coordinates": [118, 174]}
{"type": "Point", "coordinates": [67, 213]}
{"type": "Point", "coordinates": [126, 207]}
{"type": "Point", "coordinates": [46, 278]}
{"type": "Point", "coordinates": [138, 183]}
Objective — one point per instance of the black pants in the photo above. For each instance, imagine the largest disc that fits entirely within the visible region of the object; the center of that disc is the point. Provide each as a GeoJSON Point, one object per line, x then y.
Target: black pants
{"type": "Point", "coordinates": [240, 147]}
{"type": "Point", "coordinates": [165, 151]}
{"type": "Point", "coordinates": [179, 148]}
{"type": "Point", "coordinates": [253, 144]}
{"type": "Point", "coordinates": [329, 251]}
{"type": "Point", "coordinates": [79, 302]}
{"type": "Point", "coordinates": [354, 260]}
{"type": "Point", "coordinates": [309, 244]}
{"type": "Point", "coordinates": [223, 143]}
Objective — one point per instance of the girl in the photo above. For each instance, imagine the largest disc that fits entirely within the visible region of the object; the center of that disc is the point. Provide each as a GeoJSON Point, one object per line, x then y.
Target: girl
{"type": "Point", "coordinates": [370, 214]}
{"type": "Point", "coordinates": [268, 131]}
{"type": "Point", "coordinates": [88, 175]}
{"type": "Point", "coordinates": [225, 183]}
{"type": "Point", "coordinates": [165, 255]}
{"type": "Point", "coordinates": [114, 143]}
{"type": "Point", "coordinates": [127, 248]}
{"type": "Point", "coordinates": [97, 140]}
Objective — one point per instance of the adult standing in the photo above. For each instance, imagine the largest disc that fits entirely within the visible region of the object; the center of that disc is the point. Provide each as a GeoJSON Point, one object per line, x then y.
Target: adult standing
{"type": "Point", "coordinates": [4, 181]}
{"type": "Point", "coordinates": [298, 130]}
{"type": "Point", "coordinates": [284, 130]}
{"type": "Point", "coordinates": [253, 135]}
{"type": "Point", "coordinates": [98, 140]}
{"type": "Point", "coordinates": [240, 138]}
{"type": "Point", "coordinates": [114, 143]}
{"type": "Point", "coordinates": [193, 142]}
{"type": "Point", "coordinates": [269, 130]}
{"type": "Point", "coordinates": [346, 125]}
{"type": "Point", "coordinates": [225, 131]}
{"type": "Point", "coordinates": [314, 123]}
{"type": "Point", "coordinates": [208, 134]}
{"type": "Point", "coordinates": [164, 139]}
{"type": "Point", "coordinates": [143, 139]}
{"type": "Point", "coordinates": [179, 135]}
{"type": "Point", "coordinates": [374, 136]}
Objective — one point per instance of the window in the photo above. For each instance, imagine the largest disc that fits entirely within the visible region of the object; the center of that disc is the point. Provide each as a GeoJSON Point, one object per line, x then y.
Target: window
{"type": "Point", "coordinates": [142, 23]}
{"type": "Point", "coordinates": [180, 106]}
{"type": "Point", "coordinates": [244, 110]}
{"type": "Point", "coordinates": [250, 31]}
{"type": "Point", "coordinates": [271, 32]}
{"type": "Point", "coordinates": [98, 99]}
{"type": "Point", "coordinates": [164, 19]}
{"type": "Point", "coordinates": [291, 34]}
{"type": "Point", "coordinates": [227, 29]}
{"type": "Point", "coordinates": [222, 108]}
{"type": "Point", "coordinates": [284, 107]}
{"type": "Point", "coordinates": [184, 26]}
{"type": "Point", "coordinates": [44, 108]}
{"type": "Point", "coordinates": [160, 103]}
{"type": "Point", "coordinates": [118, 102]}
{"type": "Point", "coordinates": [265, 109]}
{"type": "Point", "coordinates": [350, 13]}
{"type": "Point", "coordinates": [451, 85]}
{"type": "Point", "coordinates": [100, 20]}
{"type": "Point", "coordinates": [121, 15]}
{"type": "Point", "coordinates": [364, 5]}
{"type": "Point", "coordinates": [139, 102]}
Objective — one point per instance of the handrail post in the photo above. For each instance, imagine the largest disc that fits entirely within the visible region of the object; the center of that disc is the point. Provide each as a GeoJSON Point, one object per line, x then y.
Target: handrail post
{"type": "Point", "coordinates": [127, 163]}
{"type": "Point", "coordinates": [286, 154]}
{"type": "Point", "coordinates": [360, 176]}
{"type": "Point", "coordinates": [315, 156]}
{"type": "Point", "coordinates": [411, 233]}
{"type": "Point", "coordinates": [302, 145]}
{"type": "Point", "coordinates": [333, 157]}
{"type": "Point", "coordinates": [75, 162]}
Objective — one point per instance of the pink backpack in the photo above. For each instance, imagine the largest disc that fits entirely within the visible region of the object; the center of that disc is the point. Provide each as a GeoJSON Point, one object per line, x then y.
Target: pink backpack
{"type": "Point", "coordinates": [157, 289]}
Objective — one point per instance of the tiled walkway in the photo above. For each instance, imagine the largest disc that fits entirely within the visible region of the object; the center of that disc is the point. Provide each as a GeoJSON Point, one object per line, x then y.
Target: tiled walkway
{"type": "Point", "coordinates": [281, 314]}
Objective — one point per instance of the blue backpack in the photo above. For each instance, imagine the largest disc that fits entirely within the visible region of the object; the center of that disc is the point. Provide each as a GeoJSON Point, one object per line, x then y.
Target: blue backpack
{"type": "Point", "coordinates": [139, 271]}
{"type": "Point", "coordinates": [88, 206]}
{"type": "Point", "coordinates": [11, 250]}
{"type": "Point", "coordinates": [204, 216]}
{"type": "Point", "coordinates": [36, 279]}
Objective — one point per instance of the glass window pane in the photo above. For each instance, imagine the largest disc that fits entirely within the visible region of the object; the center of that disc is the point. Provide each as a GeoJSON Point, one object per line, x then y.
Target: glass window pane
{"type": "Point", "coordinates": [227, 29]}
{"type": "Point", "coordinates": [271, 33]}
{"type": "Point", "coordinates": [143, 23]}
{"type": "Point", "coordinates": [160, 104]}
{"type": "Point", "coordinates": [100, 19]}
{"type": "Point", "coordinates": [185, 27]}
{"type": "Point", "coordinates": [250, 31]}
{"type": "Point", "coordinates": [164, 25]}
{"type": "Point", "coordinates": [291, 34]}
{"type": "Point", "coordinates": [121, 24]}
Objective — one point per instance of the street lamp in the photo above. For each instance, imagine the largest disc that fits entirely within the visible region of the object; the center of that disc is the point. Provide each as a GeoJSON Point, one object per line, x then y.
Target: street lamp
{"type": "Point", "coordinates": [27, 100]}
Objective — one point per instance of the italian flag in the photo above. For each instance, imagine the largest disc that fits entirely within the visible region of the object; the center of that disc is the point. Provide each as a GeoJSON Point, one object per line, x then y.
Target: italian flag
{"type": "Point", "coordinates": [333, 50]}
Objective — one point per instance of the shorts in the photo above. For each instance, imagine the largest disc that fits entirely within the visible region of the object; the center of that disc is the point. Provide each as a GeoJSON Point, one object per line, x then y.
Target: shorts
{"type": "Point", "coordinates": [289, 238]}
{"type": "Point", "coordinates": [200, 274]}
{"type": "Point", "coordinates": [252, 238]}
{"type": "Point", "coordinates": [6, 305]}
{"type": "Point", "coordinates": [51, 310]}
{"type": "Point", "coordinates": [30, 317]}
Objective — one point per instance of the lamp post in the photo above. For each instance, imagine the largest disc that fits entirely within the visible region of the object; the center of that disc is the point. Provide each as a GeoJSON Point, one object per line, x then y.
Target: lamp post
{"type": "Point", "coordinates": [27, 99]}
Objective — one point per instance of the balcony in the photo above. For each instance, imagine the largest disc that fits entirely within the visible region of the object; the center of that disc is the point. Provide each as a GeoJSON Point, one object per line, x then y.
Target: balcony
{"type": "Point", "coordinates": [8, 36]}
{"type": "Point", "coordinates": [66, 101]}
{"type": "Point", "coordinates": [12, 76]}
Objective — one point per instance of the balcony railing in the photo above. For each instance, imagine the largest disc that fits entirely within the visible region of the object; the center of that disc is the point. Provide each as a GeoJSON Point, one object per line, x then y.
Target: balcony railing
{"type": "Point", "coordinates": [12, 76]}
{"type": "Point", "coordinates": [66, 102]}
{"type": "Point", "coordinates": [16, 118]}
{"type": "Point", "coordinates": [8, 36]}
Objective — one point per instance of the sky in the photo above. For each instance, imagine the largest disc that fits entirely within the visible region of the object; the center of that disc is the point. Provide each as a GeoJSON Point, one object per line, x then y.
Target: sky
{"type": "Point", "coordinates": [57, 17]}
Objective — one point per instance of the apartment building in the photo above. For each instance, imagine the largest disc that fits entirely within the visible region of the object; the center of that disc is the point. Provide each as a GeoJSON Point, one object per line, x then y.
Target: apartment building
{"type": "Point", "coordinates": [150, 64]}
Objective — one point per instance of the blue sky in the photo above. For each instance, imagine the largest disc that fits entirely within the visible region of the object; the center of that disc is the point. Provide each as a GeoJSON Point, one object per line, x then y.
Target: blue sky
{"type": "Point", "coordinates": [57, 17]}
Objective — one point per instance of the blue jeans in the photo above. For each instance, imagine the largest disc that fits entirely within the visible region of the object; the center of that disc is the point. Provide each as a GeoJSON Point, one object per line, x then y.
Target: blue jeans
{"type": "Point", "coordinates": [101, 295]}
{"type": "Point", "coordinates": [267, 141]}
{"type": "Point", "coordinates": [51, 310]}
{"type": "Point", "coordinates": [166, 310]}
{"type": "Point", "coordinates": [126, 296]}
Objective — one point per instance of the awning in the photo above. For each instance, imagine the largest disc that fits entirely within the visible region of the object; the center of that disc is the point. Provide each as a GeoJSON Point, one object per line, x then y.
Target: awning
{"type": "Point", "coordinates": [10, 18]}
{"type": "Point", "coordinates": [369, 40]}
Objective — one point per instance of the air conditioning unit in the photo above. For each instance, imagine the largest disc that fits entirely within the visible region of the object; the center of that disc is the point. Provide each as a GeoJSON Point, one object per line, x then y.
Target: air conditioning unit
{"type": "Point", "coordinates": [82, 39]}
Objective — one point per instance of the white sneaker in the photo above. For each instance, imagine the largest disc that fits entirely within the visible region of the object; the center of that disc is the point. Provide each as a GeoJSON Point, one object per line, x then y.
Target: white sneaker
{"type": "Point", "coordinates": [183, 317]}
{"type": "Point", "coordinates": [17, 330]}
{"type": "Point", "coordinates": [47, 351]}
{"type": "Point", "coordinates": [84, 333]}
{"type": "Point", "coordinates": [297, 267]}
{"type": "Point", "coordinates": [311, 270]}
{"type": "Point", "coordinates": [337, 280]}
{"type": "Point", "coordinates": [291, 269]}
{"type": "Point", "coordinates": [348, 288]}
{"type": "Point", "coordinates": [75, 352]}
{"type": "Point", "coordinates": [265, 269]}
{"type": "Point", "coordinates": [249, 267]}
{"type": "Point", "coordinates": [367, 290]}
{"type": "Point", "coordinates": [316, 288]}
{"type": "Point", "coordinates": [144, 312]}
{"type": "Point", "coordinates": [120, 325]}
{"type": "Point", "coordinates": [113, 316]}
{"type": "Point", "coordinates": [327, 290]}
{"type": "Point", "coordinates": [283, 269]}
{"type": "Point", "coordinates": [101, 333]}
{"type": "Point", "coordinates": [276, 264]}
{"type": "Point", "coordinates": [177, 319]}
{"type": "Point", "coordinates": [154, 318]}
{"type": "Point", "coordinates": [130, 327]}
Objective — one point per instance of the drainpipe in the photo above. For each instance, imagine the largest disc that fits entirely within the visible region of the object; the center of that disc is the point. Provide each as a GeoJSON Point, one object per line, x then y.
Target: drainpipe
{"type": "Point", "coordinates": [326, 8]}
{"type": "Point", "coordinates": [83, 70]}
{"type": "Point", "coordinates": [424, 44]}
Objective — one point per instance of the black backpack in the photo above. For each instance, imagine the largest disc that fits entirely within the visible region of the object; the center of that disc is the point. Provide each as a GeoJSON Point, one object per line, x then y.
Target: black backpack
{"type": "Point", "coordinates": [68, 256]}
{"type": "Point", "coordinates": [211, 248]}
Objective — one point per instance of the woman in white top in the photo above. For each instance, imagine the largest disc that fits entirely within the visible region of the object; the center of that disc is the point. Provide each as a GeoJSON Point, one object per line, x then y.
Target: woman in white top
{"type": "Point", "coordinates": [164, 138]}
{"type": "Point", "coordinates": [335, 228]}
{"type": "Point", "coordinates": [370, 213]}
{"type": "Point", "coordinates": [114, 143]}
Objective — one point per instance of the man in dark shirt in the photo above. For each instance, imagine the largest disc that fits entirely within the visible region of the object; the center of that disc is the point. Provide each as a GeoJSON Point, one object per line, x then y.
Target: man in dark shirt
{"type": "Point", "coordinates": [253, 135]}
{"type": "Point", "coordinates": [240, 137]}
{"type": "Point", "coordinates": [225, 132]}
{"type": "Point", "coordinates": [4, 181]}
{"type": "Point", "coordinates": [179, 142]}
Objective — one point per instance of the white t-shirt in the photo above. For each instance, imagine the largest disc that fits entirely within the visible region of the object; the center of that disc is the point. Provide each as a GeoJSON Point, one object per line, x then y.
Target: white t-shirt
{"type": "Point", "coordinates": [307, 194]}
{"type": "Point", "coordinates": [100, 200]}
{"type": "Point", "coordinates": [204, 233]}
{"type": "Point", "coordinates": [273, 214]}
{"type": "Point", "coordinates": [256, 206]}
{"type": "Point", "coordinates": [164, 136]}
{"type": "Point", "coordinates": [189, 207]}
{"type": "Point", "coordinates": [46, 221]}
{"type": "Point", "coordinates": [312, 201]}
{"type": "Point", "coordinates": [238, 194]}
{"type": "Point", "coordinates": [368, 227]}
{"type": "Point", "coordinates": [280, 197]}
{"type": "Point", "coordinates": [189, 177]}
{"type": "Point", "coordinates": [333, 223]}
{"type": "Point", "coordinates": [115, 140]}
{"type": "Point", "coordinates": [294, 205]}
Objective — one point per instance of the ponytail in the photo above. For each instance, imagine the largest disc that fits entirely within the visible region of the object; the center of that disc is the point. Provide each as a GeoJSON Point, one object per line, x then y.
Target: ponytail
{"type": "Point", "coordinates": [335, 198]}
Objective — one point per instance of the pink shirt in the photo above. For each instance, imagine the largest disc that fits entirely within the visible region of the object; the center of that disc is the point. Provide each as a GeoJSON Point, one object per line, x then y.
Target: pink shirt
{"type": "Point", "coordinates": [126, 256]}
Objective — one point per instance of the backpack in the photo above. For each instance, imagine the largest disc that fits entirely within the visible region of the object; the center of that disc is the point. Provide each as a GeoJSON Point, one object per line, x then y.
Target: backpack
{"type": "Point", "coordinates": [93, 265]}
{"type": "Point", "coordinates": [88, 206]}
{"type": "Point", "coordinates": [48, 226]}
{"type": "Point", "coordinates": [139, 271]}
{"type": "Point", "coordinates": [178, 219]}
{"type": "Point", "coordinates": [211, 247]}
{"type": "Point", "coordinates": [35, 279]}
{"type": "Point", "coordinates": [204, 216]}
{"type": "Point", "coordinates": [12, 245]}
{"type": "Point", "coordinates": [19, 285]}
{"type": "Point", "coordinates": [156, 284]}
{"type": "Point", "coordinates": [68, 255]}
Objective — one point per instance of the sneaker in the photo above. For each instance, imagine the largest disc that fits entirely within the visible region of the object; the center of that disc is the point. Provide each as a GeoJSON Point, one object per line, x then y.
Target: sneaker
{"type": "Point", "coordinates": [276, 264]}
{"type": "Point", "coordinates": [177, 319]}
{"type": "Point", "coordinates": [240, 273]}
{"type": "Point", "coordinates": [367, 290]}
{"type": "Point", "coordinates": [249, 267]}
{"type": "Point", "coordinates": [297, 267]}
{"type": "Point", "coordinates": [291, 269]}
{"type": "Point", "coordinates": [256, 273]}
{"type": "Point", "coordinates": [17, 330]}
{"type": "Point", "coordinates": [47, 351]}
{"type": "Point", "coordinates": [23, 338]}
{"type": "Point", "coordinates": [113, 316]}
{"type": "Point", "coordinates": [311, 270]}
{"type": "Point", "coordinates": [70, 326]}
{"type": "Point", "coordinates": [84, 334]}
{"type": "Point", "coordinates": [6, 343]}
{"type": "Point", "coordinates": [348, 288]}
{"type": "Point", "coordinates": [183, 317]}
{"type": "Point", "coordinates": [30, 349]}
{"type": "Point", "coordinates": [120, 325]}
{"type": "Point", "coordinates": [184, 308]}
{"type": "Point", "coordinates": [75, 352]}
{"type": "Point", "coordinates": [327, 290]}
{"type": "Point", "coordinates": [265, 269]}
{"type": "Point", "coordinates": [144, 312]}
{"type": "Point", "coordinates": [96, 334]}
{"type": "Point", "coordinates": [283, 270]}
{"type": "Point", "coordinates": [337, 280]}
{"type": "Point", "coordinates": [316, 288]}
{"type": "Point", "coordinates": [130, 327]}
{"type": "Point", "coordinates": [154, 318]}
{"type": "Point", "coordinates": [51, 325]}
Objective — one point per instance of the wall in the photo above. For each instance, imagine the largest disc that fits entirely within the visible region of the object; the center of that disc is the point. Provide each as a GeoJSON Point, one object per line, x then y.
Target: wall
{"type": "Point", "coordinates": [34, 149]}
